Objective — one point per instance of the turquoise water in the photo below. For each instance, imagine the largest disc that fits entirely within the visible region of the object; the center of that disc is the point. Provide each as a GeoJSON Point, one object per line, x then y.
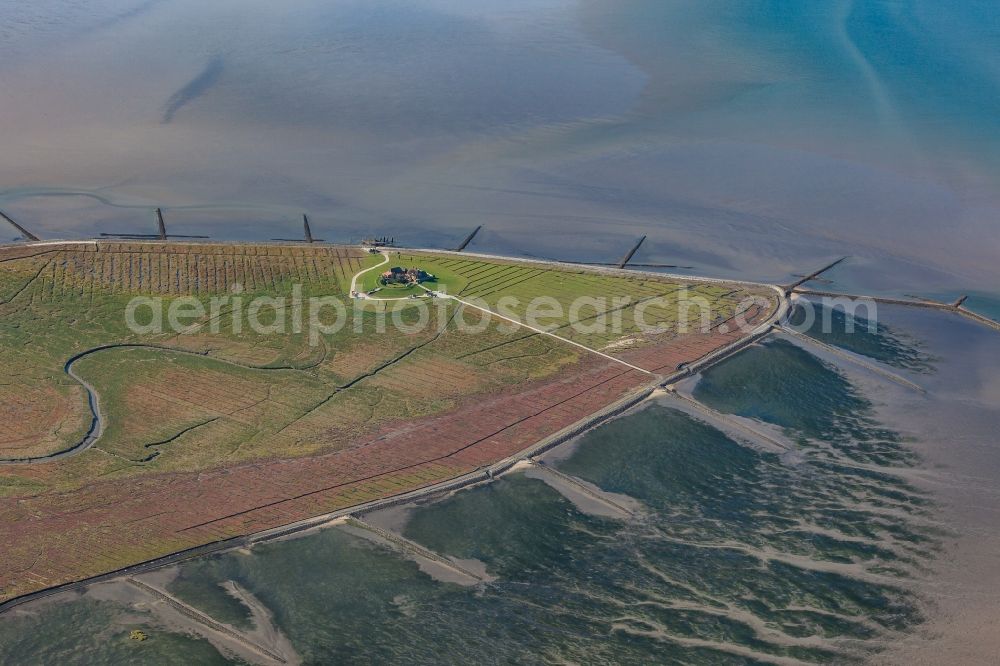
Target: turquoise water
{"type": "Point", "coordinates": [739, 555]}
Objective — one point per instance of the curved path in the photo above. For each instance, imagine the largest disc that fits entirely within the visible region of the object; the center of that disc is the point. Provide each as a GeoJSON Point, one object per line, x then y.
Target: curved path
{"type": "Point", "coordinates": [96, 429]}
{"type": "Point", "coordinates": [354, 280]}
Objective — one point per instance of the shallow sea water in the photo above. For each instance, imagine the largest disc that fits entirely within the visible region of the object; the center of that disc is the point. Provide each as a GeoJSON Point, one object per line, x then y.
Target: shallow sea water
{"type": "Point", "coordinates": [755, 140]}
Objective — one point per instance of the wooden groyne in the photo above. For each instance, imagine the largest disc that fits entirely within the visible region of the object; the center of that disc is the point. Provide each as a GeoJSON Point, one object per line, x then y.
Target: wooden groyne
{"type": "Point", "coordinates": [888, 300]}
{"type": "Point", "coordinates": [203, 619]}
{"type": "Point", "coordinates": [737, 424]}
{"type": "Point", "coordinates": [306, 229]}
{"type": "Point", "coordinates": [411, 547]}
{"type": "Point", "coordinates": [580, 487]}
{"type": "Point", "coordinates": [160, 235]}
{"type": "Point", "coordinates": [812, 276]}
{"type": "Point", "coordinates": [631, 253]}
{"type": "Point", "coordinates": [857, 360]}
{"type": "Point", "coordinates": [957, 307]}
{"type": "Point", "coordinates": [307, 234]}
{"type": "Point", "coordinates": [161, 227]}
{"type": "Point", "coordinates": [468, 239]}
{"type": "Point", "coordinates": [687, 268]}
{"type": "Point", "coordinates": [24, 232]}
{"type": "Point", "coordinates": [975, 316]}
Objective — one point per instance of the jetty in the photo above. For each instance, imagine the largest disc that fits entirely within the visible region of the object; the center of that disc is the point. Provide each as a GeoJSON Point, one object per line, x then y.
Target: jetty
{"type": "Point", "coordinates": [384, 241]}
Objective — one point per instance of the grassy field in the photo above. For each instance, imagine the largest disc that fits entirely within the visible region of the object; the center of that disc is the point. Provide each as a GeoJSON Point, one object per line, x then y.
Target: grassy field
{"type": "Point", "coordinates": [218, 432]}
{"type": "Point", "coordinates": [656, 302]}
{"type": "Point", "coordinates": [371, 282]}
